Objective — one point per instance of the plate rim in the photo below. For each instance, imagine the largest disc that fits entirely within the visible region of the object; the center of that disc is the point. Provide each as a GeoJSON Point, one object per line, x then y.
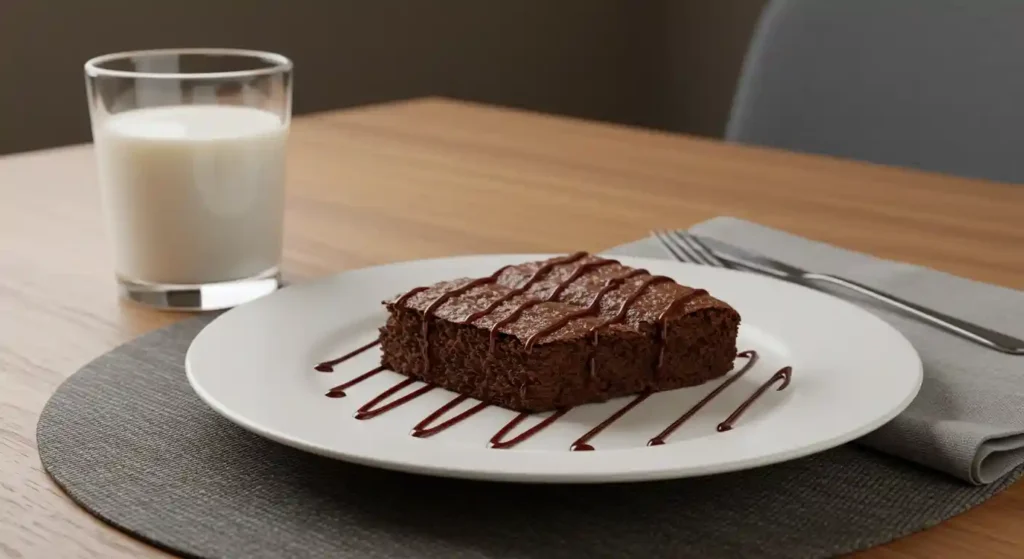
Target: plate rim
{"type": "Point", "coordinates": [558, 477]}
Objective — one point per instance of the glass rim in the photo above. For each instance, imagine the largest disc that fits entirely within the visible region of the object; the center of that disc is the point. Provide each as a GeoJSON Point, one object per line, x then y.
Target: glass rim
{"type": "Point", "coordinates": [278, 64]}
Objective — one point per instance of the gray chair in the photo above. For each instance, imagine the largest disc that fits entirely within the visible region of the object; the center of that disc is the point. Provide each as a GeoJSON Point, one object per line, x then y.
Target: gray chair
{"type": "Point", "coordinates": [931, 84]}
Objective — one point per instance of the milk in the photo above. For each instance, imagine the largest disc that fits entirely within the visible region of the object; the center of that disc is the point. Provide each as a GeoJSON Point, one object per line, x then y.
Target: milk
{"type": "Point", "coordinates": [192, 194]}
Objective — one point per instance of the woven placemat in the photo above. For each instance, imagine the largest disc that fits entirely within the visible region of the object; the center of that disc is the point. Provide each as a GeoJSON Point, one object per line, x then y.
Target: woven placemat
{"type": "Point", "coordinates": [131, 443]}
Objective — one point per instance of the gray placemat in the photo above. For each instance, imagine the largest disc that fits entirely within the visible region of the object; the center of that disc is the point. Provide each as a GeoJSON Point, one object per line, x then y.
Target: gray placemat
{"type": "Point", "coordinates": [129, 441]}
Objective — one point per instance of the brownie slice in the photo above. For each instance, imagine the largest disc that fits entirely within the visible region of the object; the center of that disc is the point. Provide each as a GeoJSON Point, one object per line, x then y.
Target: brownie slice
{"type": "Point", "coordinates": [559, 333]}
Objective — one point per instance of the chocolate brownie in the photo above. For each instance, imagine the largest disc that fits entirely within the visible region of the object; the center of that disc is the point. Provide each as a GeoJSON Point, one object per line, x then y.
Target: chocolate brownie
{"type": "Point", "coordinates": [559, 333]}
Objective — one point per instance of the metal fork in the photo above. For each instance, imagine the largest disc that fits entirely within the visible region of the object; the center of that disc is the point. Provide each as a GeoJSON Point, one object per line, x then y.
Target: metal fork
{"type": "Point", "coordinates": [686, 247]}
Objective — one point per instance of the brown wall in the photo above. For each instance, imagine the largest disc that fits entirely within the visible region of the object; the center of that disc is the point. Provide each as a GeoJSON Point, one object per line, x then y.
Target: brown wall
{"type": "Point", "coordinates": [667, 64]}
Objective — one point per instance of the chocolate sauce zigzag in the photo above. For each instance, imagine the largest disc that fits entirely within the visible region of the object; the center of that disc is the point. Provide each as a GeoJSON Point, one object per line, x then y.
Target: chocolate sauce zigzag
{"type": "Point", "coordinates": [426, 428]}
{"type": "Point", "coordinates": [328, 366]}
{"type": "Point", "coordinates": [784, 374]}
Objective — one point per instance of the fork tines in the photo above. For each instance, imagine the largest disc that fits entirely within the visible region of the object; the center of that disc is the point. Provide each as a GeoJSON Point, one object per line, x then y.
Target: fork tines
{"type": "Point", "coordinates": [687, 248]}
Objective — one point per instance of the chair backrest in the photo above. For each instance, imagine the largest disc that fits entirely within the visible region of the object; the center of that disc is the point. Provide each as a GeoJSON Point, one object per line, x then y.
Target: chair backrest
{"type": "Point", "coordinates": [932, 84]}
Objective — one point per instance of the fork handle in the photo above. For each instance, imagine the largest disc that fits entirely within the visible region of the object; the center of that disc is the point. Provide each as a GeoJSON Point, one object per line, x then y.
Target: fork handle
{"type": "Point", "coordinates": [978, 334]}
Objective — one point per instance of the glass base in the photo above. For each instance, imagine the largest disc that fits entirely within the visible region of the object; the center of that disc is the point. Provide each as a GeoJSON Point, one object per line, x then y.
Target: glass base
{"type": "Point", "coordinates": [201, 297]}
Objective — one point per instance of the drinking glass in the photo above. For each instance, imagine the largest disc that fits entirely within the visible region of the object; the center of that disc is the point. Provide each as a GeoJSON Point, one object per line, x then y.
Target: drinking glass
{"type": "Point", "coordinates": [190, 148]}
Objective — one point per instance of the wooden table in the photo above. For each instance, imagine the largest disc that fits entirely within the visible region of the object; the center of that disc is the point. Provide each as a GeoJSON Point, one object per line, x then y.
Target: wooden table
{"type": "Point", "coordinates": [431, 178]}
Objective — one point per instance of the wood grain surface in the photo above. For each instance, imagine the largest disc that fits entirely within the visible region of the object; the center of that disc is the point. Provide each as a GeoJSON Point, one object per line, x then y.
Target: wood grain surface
{"type": "Point", "coordinates": [433, 178]}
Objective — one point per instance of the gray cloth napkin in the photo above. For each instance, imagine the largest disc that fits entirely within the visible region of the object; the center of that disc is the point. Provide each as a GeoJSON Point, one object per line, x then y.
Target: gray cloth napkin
{"type": "Point", "coordinates": [968, 419]}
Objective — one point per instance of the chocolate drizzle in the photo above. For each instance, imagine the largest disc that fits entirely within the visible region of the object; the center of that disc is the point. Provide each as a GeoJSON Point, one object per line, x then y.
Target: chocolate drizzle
{"type": "Point", "coordinates": [512, 317]}
{"type": "Point", "coordinates": [663, 323]}
{"type": "Point", "coordinates": [539, 273]}
{"type": "Point", "coordinates": [328, 366]}
{"type": "Point", "coordinates": [518, 311]}
{"type": "Point", "coordinates": [339, 391]}
{"type": "Point", "coordinates": [425, 429]}
{"type": "Point", "coordinates": [620, 315]}
{"type": "Point", "coordinates": [784, 374]}
{"type": "Point", "coordinates": [662, 318]}
{"type": "Point", "coordinates": [577, 274]}
{"type": "Point", "coordinates": [582, 442]}
{"type": "Point", "coordinates": [440, 300]}
{"type": "Point", "coordinates": [682, 301]}
{"type": "Point", "coordinates": [592, 308]}
{"type": "Point", "coordinates": [408, 295]}
{"type": "Point", "coordinates": [497, 441]}
{"type": "Point", "coordinates": [422, 431]}
{"type": "Point", "coordinates": [370, 410]}
{"type": "Point", "coordinates": [660, 438]}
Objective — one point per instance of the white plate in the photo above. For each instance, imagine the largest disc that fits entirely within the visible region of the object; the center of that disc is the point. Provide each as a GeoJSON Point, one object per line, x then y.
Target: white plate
{"type": "Point", "coordinates": [852, 373]}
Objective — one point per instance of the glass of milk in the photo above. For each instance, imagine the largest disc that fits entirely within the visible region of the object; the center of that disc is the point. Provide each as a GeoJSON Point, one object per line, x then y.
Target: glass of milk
{"type": "Point", "coordinates": [190, 147]}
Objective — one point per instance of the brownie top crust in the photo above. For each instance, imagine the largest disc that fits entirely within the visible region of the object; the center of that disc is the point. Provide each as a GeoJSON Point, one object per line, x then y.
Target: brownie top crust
{"type": "Point", "coordinates": [557, 292]}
